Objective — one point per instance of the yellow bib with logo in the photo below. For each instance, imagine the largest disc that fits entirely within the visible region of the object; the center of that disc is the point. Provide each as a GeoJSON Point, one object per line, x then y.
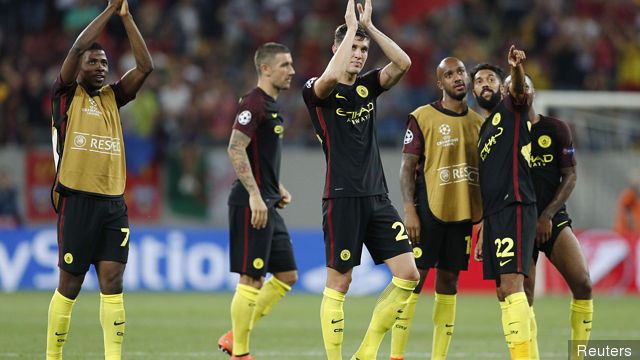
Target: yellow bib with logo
{"type": "Point", "coordinates": [451, 168]}
{"type": "Point", "coordinates": [93, 156]}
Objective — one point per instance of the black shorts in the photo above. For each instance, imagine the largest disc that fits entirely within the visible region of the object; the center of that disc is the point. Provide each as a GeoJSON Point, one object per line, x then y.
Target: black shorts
{"type": "Point", "coordinates": [352, 221]}
{"type": "Point", "coordinates": [442, 245]}
{"type": "Point", "coordinates": [560, 221]}
{"type": "Point", "coordinates": [509, 236]}
{"type": "Point", "coordinates": [91, 229]}
{"type": "Point", "coordinates": [254, 252]}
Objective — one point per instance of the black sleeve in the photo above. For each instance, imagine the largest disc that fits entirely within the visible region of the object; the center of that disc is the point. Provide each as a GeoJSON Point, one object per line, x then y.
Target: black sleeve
{"type": "Point", "coordinates": [250, 114]}
{"type": "Point", "coordinates": [371, 80]}
{"type": "Point", "coordinates": [122, 98]}
{"type": "Point", "coordinates": [309, 94]}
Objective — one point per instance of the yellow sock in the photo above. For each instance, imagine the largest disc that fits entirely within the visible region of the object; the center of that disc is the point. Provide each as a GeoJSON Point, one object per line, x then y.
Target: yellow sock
{"type": "Point", "coordinates": [533, 327]}
{"type": "Point", "coordinates": [518, 325]}
{"type": "Point", "coordinates": [444, 315]}
{"type": "Point", "coordinates": [242, 308]}
{"type": "Point", "coordinates": [389, 306]}
{"type": "Point", "coordinates": [58, 324]}
{"type": "Point", "coordinates": [272, 291]}
{"type": "Point", "coordinates": [112, 321]}
{"type": "Point", "coordinates": [581, 316]}
{"type": "Point", "coordinates": [332, 321]}
{"type": "Point", "coordinates": [505, 323]}
{"type": "Point", "coordinates": [400, 331]}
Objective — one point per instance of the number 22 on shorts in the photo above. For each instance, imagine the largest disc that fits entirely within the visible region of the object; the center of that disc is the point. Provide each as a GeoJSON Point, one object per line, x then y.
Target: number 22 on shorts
{"type": "Point", "coordinates": [126, 236]}
{"type": "Point", "coordinates": [507, 243]}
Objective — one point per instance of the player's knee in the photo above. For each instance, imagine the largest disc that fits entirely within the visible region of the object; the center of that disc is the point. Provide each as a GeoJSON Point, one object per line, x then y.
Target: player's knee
{"type": "Point", "coordinates": [289, 279]}
{"type": "Point", "coordinates": [410, 274]}
{"type": "Point", "coordinates": [111, 286]}
{"type": "Point", "coordinates": [582, 288]}
{"type": "Point", "coordinates": [339, 283]}
{"type": "Point", "coordinates": [447, 286]}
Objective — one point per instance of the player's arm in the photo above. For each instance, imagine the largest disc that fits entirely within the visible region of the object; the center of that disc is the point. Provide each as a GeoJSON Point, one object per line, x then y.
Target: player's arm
{"type": "Point", "coordinates": [340, 60]}
{"type": "Point", "coordinates": [133, 79]}
{"type": "Point", "coordinates": [408, 187]}
{"type": "Point", "coordinates": [568, 182]}
{"type": "Point", "coordinates": [286, 197]}
{"type": "Point", "coordinates": [400, 61]}
{"type": "Point", "coordinates": [238, 154]}
{"type": "Point", "coordinates": [88, 36]}
{"type": "Point", "coordinates": [516, 58]}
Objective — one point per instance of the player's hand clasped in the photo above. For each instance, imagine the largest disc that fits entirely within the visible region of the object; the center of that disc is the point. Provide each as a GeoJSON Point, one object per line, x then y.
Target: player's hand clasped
{"type": "Point", "coordinates": [350, 16]}
{"type": "Point", "coordinates": [259, 212]}
{"type": "Point", "coordinates": [124, 9]}
{"type": "Point", "coordinates": [365, 14]}
{"type": "Point", "coordinates": [117, 4]}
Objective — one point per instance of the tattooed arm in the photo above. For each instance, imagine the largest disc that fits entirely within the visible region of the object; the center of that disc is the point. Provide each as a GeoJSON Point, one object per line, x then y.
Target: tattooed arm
{"type": "Point", "coordinates": [238, 153]}
{"type": "Point", "coordinates": [408, 187]}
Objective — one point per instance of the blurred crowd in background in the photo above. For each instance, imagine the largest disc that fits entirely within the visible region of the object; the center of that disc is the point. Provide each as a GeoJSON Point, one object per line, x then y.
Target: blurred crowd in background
{"type": "Point", "coordinates": [203, 55]}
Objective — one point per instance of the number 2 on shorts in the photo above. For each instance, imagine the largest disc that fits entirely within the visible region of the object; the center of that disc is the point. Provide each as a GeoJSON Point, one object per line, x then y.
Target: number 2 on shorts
{"type": "Point", "coordinates": [508, 244]}
{"type": "Point", "coordinates": [402, 235]}
{"type": "Point", "coordinates": [126, 236]}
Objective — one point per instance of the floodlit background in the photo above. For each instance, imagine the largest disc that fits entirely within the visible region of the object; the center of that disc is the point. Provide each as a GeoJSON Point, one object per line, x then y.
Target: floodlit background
{"type": "Point", "coordinates": [583, 55]}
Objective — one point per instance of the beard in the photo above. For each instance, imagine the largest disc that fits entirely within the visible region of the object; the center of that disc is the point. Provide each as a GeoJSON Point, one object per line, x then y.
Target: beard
{"type": "Point", "coordinates": [491, 103]}
{"type": "Point", "coordinates": [455, 95]}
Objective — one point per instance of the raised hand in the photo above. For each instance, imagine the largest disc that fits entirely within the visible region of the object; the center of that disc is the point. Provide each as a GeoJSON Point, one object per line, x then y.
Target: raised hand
{"type": "Point", "coordinates": [365, 14]}
{"type": "Point", "coordinates": [117, 4]}
{"type": "Point", "coordinates": [350, 16]}
{"type": "Point", "coordinates": [124, 9]}
{"type": "Point", "coordinates": [516, 57]}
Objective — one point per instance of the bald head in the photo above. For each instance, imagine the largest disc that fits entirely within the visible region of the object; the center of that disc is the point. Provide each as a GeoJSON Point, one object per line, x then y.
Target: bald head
{"type": "Point", "coordinates": [452, 78]}
{"type": "Point", "coordinates": [448, 63]}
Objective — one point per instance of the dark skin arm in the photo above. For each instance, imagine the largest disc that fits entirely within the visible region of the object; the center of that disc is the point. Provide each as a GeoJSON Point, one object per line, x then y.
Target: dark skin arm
{"type": "Point", "coordinates": [408, 187]}
{"type": "Point", "coordinates": [516, 58]}
{"type": "Point", "coordinates": [88, 36]}
{"type": "Point", "coordinates": [543, 228]}
{"type": "Point", "coordinates": [133, 79]}
{"type": "Point", "coordinates": [238, 153]}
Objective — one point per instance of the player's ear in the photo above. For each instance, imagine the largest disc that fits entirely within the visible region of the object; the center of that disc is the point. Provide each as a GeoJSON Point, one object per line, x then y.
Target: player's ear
{"type": "Point", "coordinates": [504, 90]}
{"type": "Point", "coordinates": [334, 48]}
{"type": "Point", "coordinates": [264, 68]}
{"type": "Point", "coordinates": [439, 84]}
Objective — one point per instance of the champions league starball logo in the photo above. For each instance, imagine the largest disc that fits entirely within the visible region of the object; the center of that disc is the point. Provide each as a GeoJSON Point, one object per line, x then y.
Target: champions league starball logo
{"type": "Point", "coordinates": [245, 117]}
{"type": "Point", "coordinates": [445, 129]}
{"type": "Point", "coordinates": [408, 137]}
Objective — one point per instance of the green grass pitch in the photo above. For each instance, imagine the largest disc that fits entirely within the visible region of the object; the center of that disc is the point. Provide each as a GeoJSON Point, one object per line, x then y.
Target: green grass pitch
{"type": "Point", "coordinates": [187, 326]}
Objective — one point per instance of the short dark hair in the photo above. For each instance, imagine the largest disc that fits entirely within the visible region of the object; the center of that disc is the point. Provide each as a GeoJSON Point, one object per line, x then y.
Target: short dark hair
{"type": "Point", "coordinates": [341, 31]}
{"type": "Point", "coordinates": [266, 52]}
{"type": "Point", "coordinates": [496, 69]}
{"type": "Point", "coordinates": [96, 46]}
